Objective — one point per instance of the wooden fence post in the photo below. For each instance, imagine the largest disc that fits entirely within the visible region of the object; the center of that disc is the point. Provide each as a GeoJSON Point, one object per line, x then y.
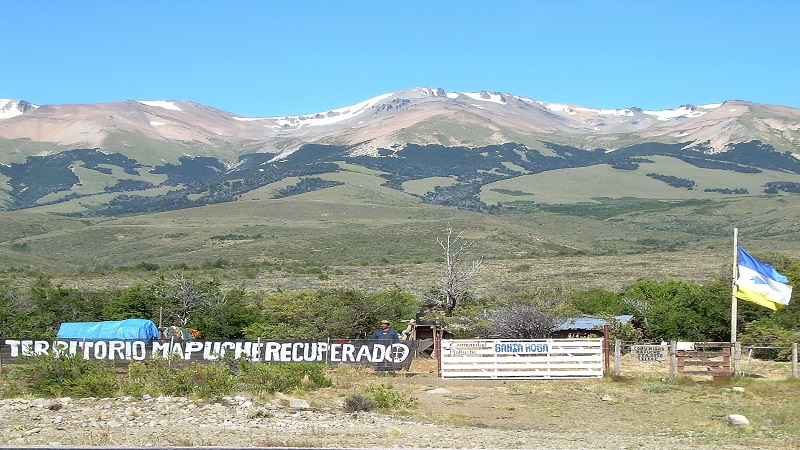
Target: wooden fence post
{"type": "Point", "coordinates": [617, 356]}
{"type": "Point", "coordinates": [606, 350]}
{"type": "Point", "coordinates": [794, 360]}
{"type": "Point", "coordinates": [673, 359]}
{"type": "Point", "coordinates": [437, 351]}
{"type": "Point", "coordinates": [737, 359]}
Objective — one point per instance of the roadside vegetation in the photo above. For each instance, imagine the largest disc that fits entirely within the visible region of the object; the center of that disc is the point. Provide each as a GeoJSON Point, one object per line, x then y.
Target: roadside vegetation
{"type": "Point", "coordinates": [664, 310]}
{"type": "Point", "coordinates": [72, 376]}
{"type": "Point", "coordinates": [58, 376]}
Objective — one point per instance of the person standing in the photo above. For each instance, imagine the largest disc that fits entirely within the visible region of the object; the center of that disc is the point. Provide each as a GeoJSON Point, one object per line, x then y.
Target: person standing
{"type": "Point", "coordinates": [385, 332]}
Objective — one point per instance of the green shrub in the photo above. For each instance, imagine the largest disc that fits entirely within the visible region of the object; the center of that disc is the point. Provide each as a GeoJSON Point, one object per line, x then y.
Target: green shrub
{"type": "Point", "coordinates": [167, 377]}
{"type": "Point", "coordinates": [10, 387]}
{"type": "Point", "coordinates": [211, 380]}
{"type": "Point", "coordinates": [266, 378]}
{"type": "Point", "coordinates": [134, 383]}
{"type": "Point", "coordinates": [178, 378]}
{"type": "Point", "coordinates": [358, 402]}
{"type": "Point", "coordinates": [766, 333]}
{"type": "Point", "coordinates": [59, 376]}
{"type": "Point", "coordinates": [521, 268]}
{"type": "Point", "coordinates": [385, 396]}
{"type": "Point", "coordinates": [67, 376]}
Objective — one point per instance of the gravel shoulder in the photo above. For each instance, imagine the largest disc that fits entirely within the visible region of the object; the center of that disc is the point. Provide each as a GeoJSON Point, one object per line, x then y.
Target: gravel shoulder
{"type": "Point", "coordinates": [552, 414]}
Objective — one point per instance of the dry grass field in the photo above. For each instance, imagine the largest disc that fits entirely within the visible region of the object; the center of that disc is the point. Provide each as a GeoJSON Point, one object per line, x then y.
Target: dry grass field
{"type": "Point", "coordinates": [501, 277]}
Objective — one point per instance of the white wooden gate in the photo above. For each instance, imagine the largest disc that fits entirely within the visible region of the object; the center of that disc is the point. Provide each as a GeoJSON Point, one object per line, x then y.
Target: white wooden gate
{"type": "Point", "coordinates": [521, 359]}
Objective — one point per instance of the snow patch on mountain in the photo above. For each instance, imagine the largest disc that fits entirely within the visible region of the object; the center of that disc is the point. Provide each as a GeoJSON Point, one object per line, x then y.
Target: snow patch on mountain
{"type": "Point", "coordinates": [556, 107]}
{"type": "Point", "coordinates": [486, 97]}
{"type": "Point", "coordinates": [683, 111]}
{"type": "Point", "coordinates": [575, 110]}
{"type": "Point", "coordinates": [13, 108]}
{"type": "Point", "coordinates": [161, 104]}
{"type": "Point", "coordinates": [686, 111]}
{"type": "Point", "coordinates": [327, 118]}
{"type": "Point", "coordinates": [428, 92]}
{"type": "Point", "coordinates": [608, 112]}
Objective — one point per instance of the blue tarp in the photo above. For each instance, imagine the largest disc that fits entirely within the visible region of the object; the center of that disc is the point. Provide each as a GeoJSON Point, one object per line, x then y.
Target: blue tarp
{"type": "Point", "coordinates": [128, 329]}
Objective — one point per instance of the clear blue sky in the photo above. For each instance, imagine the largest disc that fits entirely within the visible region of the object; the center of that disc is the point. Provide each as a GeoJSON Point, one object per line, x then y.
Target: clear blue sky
{"type": "Point", "coordinates": [269, 58]}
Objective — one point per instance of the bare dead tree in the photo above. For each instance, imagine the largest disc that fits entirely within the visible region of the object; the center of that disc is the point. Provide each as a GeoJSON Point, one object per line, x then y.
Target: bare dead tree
{"type": "Point", "coordinates": [524, 321]}
{"type": "Point", "coordinates": [533, 316]}
{"type": "Point", "coordinates": [458, 271]}
{"type": "Point", "coordinates": [642, 308]}
{"type": "Point", "coordinates": [186, 296]}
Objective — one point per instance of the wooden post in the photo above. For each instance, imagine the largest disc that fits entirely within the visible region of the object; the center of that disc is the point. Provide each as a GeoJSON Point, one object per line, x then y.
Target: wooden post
{"type": "Point", "coordinates": [734, 300]}
{"type": "Point", "coordinates": [737, 359]}
{"type": "Point", "coordinates": [171, 346]}
{"type": "Point", "coordinates": [436, 342]}
{"type": "Point", "coordinates": [794, 360]}
{"type": "Point", "coordinates": [673, 359]}
{"type": "Point", "coordinates": [437, 350]}
{"type": "Point", "coordinates": [617, 356]}
{"type": "Point", "coordinates": [606, 350]}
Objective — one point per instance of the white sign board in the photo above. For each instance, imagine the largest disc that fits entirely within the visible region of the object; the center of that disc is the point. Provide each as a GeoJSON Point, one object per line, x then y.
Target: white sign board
{"type": "Point", "coordinates": [521, 358]}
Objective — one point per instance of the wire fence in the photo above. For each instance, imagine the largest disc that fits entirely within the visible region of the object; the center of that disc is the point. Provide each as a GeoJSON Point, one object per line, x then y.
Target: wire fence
{"type": "Point", "coordinates": [698, 359]}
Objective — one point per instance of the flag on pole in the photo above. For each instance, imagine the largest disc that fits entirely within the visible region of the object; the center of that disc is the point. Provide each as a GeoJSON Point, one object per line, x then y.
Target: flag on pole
{"type": "Point", "coordinates": [760, 283]}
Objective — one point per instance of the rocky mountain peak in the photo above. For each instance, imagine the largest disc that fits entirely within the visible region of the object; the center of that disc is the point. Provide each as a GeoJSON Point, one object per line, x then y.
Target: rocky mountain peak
{"type": "Point", "coordinates": [11, 108]}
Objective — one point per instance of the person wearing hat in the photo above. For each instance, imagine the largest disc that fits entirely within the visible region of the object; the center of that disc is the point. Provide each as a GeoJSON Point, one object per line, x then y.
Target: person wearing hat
{"type": "Point", "coordinates": [385, 332]}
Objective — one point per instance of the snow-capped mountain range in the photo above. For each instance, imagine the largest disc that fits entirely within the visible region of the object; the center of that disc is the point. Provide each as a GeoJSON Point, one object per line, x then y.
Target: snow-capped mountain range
{"type": "Point", "coordinates": [415, 116]}
{"type": "Point", "coordinates": [141, 156]}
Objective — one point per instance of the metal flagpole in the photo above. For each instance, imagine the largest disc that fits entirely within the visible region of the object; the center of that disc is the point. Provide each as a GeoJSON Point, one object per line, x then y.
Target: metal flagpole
{"type": "Point", "coordinates": [734, 300]}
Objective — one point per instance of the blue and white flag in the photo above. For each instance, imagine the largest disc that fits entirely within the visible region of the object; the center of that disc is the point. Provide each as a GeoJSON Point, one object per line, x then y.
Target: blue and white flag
{"type": "Point", "coordinates": [760, 283]}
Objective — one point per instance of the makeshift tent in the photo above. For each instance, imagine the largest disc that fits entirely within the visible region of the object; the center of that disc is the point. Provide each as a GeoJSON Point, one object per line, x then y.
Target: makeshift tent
{"type": "Point", "coordinates": [179, 333]}
{"type": "Point", "coordinates": [128, 329]}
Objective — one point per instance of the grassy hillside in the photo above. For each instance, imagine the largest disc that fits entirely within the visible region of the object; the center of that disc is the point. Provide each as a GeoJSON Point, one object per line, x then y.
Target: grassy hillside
{"type": "Point", "coordinates": [366, 236]}
{"type": "Point", "coordinates": [583, 226]}
{"type": "Point", "coordinates": [584, 184]}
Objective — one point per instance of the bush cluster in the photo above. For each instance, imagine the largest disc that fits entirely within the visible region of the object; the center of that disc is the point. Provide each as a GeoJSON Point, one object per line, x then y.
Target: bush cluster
{"type": "Point", "coordinates": [36, 311]}
{"type": "Point", "coordinates": [72, 376]}
{"type": "Point", "coordinates": [383, 396]}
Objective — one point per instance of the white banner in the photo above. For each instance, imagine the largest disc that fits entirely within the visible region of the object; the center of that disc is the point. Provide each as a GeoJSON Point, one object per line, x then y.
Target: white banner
{"type": "Point", "coordinates": [398, 354]}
